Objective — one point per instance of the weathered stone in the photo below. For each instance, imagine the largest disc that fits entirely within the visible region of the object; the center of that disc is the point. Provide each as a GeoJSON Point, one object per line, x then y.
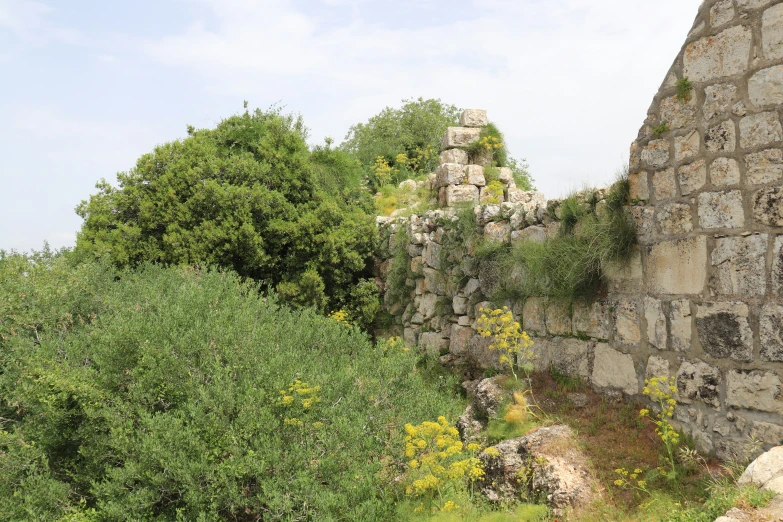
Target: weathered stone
{"type": "Point", "coordinates": [777, 267]}
{"type": "Point", "coordinates": [766, 87]}
{"type": "Point", "coordinates": [506, 176]}
{"type": "Point", "coordinates": [656, 322]}
{"type": "Point", "coordinates": [724, 171]}
{"type": "Point", "coordinates": [664, 185]}
{"type": "Point", "coordinates": [434, 344]}
{"type": "Point", "coordinates": [415, 250]}
{"type": "Point", "coordinates": [677, 114]}
{"type": "Point", "coordinates": [675, 218]}
{"type": "Point", "coordinates": [613, 369]}
{"type": "Point", "coordinates": [481, 356]}
{"type": "Point", "coordinates": [450, 174]}
{"type": "Point", "coordinates": [768, 206]}
{"type": "Point", "coordinates": [657, 367]}
{"type": "Point", "coordinates": [469, 426]}
{"type": "Point", "coordinates": [721, 138]}
{"type": "Point", "coordinates": [475, 175]}
{"type": "Point", "coordinates": [486, 214]}
{"type": "Point", "coordinates": [431, 255]}
{"type": "Point", "coordinates": [534, 234]}
{"type": "Point", "coordinates": [656, 154]}
{"type": "Point", "coordinates": [753, 4]}
{"type": "Point", "coordinates": [626, 276]}
{"type": "Point", "coordinates": [769, 433]}
{"type": "Point", "coordinates": [460, 340]}
{"type": "Point", "coordinates": [626, 322]}
{"type": "Point", "coordinates": [692, 177]}
{"type": "Point", "coordinates": [721, 209]}
{"type": "Point", "coordinates": [740, 265]}
{"type": "Point", "coordinates": [558, 319]}
{"type": "Point", "coordinates": [459, 305]}
{"type": "Point", "coordinates": [570, 356]}
{"type": "Point", "coordinates": [460, 137]}
{"type": "Point", "coordinates": [772, 32]}
{"type": "Point", "coordinates": [698, 381]}
{"type": "Point", "coordinates": [687, 275]}
{"type": "Point", "coordinates": [456, 194]}
{"type": "Point", "coordinates": [725, 54]}
{"type": "Point", "coordinates": [721, 13]}
{"type": "Point", "coordinates": [764, 167]}
{"type": "Point", "coordinates": [739, 109]}
{"type": "Point", "coordinates": [533, 316]}
{"type": "Point", "coordinates": [410, 336]}
{"type": "Point", "coordinates": [497, 232]}
{"type": "Point", "coordinates": [471, 287]}
{"type": "Point", "coordinates": [473, 118]}
{"type": "Point", "coordinates": [771, 332]}
{"type": "Point", "coordinates": [718, 99]}
{"type": "Point", "coordinates": [644, 219]}
{"type": "Point", "coordinates": [591, 319]}
{"type": "Point", "coordinates": [428, 305]}
{"type": "Point", "coordinates": [408, 185]}
{"type": "Point", "coordinates": [637, 184]}
{"type": "Point", "coordinates": [724, 330]}
{"type": "Point", "coordinates": [760, 129]}
{"type": "Point", "coordinates": [457, 156]}
{"type": "Point", "coordinates": [488, 398]}
{"type": "Point", "coordinates": [433, 281]}
{"type": "Point", "coordinates": [754, 390]}
{"type": "Point", "coordinates": [687, 146]}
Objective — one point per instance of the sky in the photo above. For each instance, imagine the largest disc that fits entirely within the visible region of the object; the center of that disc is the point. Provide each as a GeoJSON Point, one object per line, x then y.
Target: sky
{"type": "Point", "coordinates": [88, 86]}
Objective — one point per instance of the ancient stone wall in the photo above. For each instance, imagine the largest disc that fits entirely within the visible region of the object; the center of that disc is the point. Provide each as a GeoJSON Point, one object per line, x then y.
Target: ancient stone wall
{"type": "Point", "coordinates": [702, 297]}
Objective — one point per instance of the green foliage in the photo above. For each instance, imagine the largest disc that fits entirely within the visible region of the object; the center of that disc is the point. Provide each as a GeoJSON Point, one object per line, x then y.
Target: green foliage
{"type": "Point", "coordinates": [490, 148]}
{"type": "Point", "coordinates": [400, 277]}
{"type": "Point", "coordinates": [167, 404]}
{"type": "Point", "coordinates": [521, 171]}
{"type": "Point", "coordinates": [393, 197]}
{"type": "Point", "coordinates": [684, 89]}
{"type": "Point", "coordinates": [720, 501]}
{"type": "Point", "coordinates": [247, 195]}
{"type": "Point", "coordinates": [660, 130]}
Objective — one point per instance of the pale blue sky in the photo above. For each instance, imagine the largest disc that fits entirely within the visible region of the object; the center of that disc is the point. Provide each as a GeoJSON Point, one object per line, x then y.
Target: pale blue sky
{"type": "Point", "coordinates": [88, 86]}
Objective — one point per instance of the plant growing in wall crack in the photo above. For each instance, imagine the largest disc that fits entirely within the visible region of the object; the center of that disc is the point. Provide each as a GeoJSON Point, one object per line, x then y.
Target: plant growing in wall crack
{"type": "Point", "coordinates": [508, 338]}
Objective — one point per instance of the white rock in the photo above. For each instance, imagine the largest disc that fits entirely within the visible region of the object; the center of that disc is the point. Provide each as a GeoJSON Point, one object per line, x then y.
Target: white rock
{"type": "Point", "coordinates": [473, 118]}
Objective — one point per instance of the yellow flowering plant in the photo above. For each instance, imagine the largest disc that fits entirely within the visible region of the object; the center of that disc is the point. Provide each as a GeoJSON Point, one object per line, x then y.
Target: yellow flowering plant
{"type": "Point", "coordinates": [508, 338]}
{"type": "Point", "coordinates": [341, 316]}
{"type": "Point", "coordinates": [661, 391]}
{"type": "Point", "coordinates": [297, 401]}
{"type": "Point", "coordinates": [627, 479]}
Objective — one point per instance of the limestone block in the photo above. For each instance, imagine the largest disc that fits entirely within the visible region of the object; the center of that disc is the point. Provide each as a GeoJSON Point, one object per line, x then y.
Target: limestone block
{"type": "Point", "coordinates": [558, 319]}
{"type": "Point", "coordinates": [722, 13]}
{"type": "Point", "coordinates": [475, 175]}
{"type": "Point", "coordinates": [456, 194]}
{"type": "Point", "coordinates": [692, 177]}
{"type": "Point", "coordinates": [664, 185]}
{"type": "Point", "coordinates": [754, 390]}
{"type": "Point", "coordinates": [644, 219]}
{"type": "Point", "coordinates": [777, 267]}
{"type": "Point", "coordinates": [457, 156]}
{"type": "Point", "coordinates": [724, 330]}
{"type": "Point", "coordinates": [542, 360]}
{"type": "Point", "coordinates": [471, 287]}
{"type": "Point", "coordinates": [459, 305]}
{"type": "Point", "coordinates": [698, 381]}
{"type": "Point", "coordinates": [480, 354]}
{"type": "Point", "coordinates": [656, 322]}
{"type": "Point", "coordinates": [687, 146]}
{"type": "Point", "coordinates": [626, 322]}
{"type": "Point", "coordinates": [637, 184]}
{"type": "Point", "coordinates": [626, 277]}
{"type": "Point", "coordinates": [768, 206]}
{"type": "Point", "coordinates": [591, 319]}
{"type": "Point", "coordinates": [415, 250]}
{"type": "Point", "coordinates": [450, 174]}
{"type": "Point", "coordinates": [753, 4]}
{"type": "Point", "coordinates": [740, 265]}
{"type": "Point", "coordinates": [656, 154]}
{"type": "Point", "coordinates": [677, 114]}
{"type": "Point", "coordinates": [534, 234]}
{"type": "Point", "coordinates": [613, 369]}
{"type": "Point", "coordinates": [718, 99]}
{"type": "Point", "coordinates": [473, 118]}
{"type": "Point", "coordinates": [432, 254]}
{"type": "Point", "coordinates": [768, 433]}
{"type": "Point", "coordinates": [533, 316]}
{"type": "Point", "coordinates": [772, 32]}
{"type": "Point", "coordinates": [464, 320]}
{"type": "Point", "coordinates": [687, 275]}
{"type": "Point", "coordinates": [434, 344]}
{"type": "Point", "coordinates": [506, 176]}
{"type": "Point", "coordinates": [428, 305]}
{"type": "Point", "coordinates": [760, 129]}
{"type": "Point", "coordinates": [721, 210]}
{"type": "Point", "coordinates": [434, 281]}
{"type": "Point", "coordinates": [771, 332]}
{"type": "Point", "coordinates": [657, 367]}
{"type": "Point", "coordinates": [725, 54]}
{"type": "Point", "coordinates": [721, 138]}
{"type": "Point", "coordinates": [724, 171]}
{"type": "Point", "coordinates": [460, 137]}
{"type": "Point", "coordinates": [766, 87]}
{"type": "Point", "coordinates": [675, 218]}
{"type": "Point", "coordinates": [570, 356]}
{"type": "Point", "coordinates": [486, 214]}
{"type": "Point", "coordinates": [497, 232]}
{"type": "Point", "coordinates": [410, 337]}
{"type": "Point", "coordinates": [529, 199]}
{"type": "Point", "coordinates": [764, 167]}
{"type": "Point", "coordinates": [460, 340]}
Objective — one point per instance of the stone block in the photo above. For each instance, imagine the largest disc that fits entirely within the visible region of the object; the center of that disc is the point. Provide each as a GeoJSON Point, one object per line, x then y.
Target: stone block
{"type": "Point", "coordinates": [724, 330]}
{"type": "Point", "coordinates": [533, 316]}
{"type": "Point", "coordinates": [768, 206]}
{"type": "Point", "coordinates": [434, 282]}
{"type": "Point", "coordinates": [754, 390]}
{"type": "Point", "coordinates": [471, 287]}
{"type": "Point", "coordinates": [677, 114]}
{"type": "Point", "coordinates": [721, 210]}
{"type": "Point", "coordinates": [497, 232]}
{"type": "Point", "coordinates": [410, 337]}
{"type": "Point", "coordinates": [777, 267]}
{"type": "Point", "coordinates": [456, 194]}
{"type": "Point", "coordinates": [626, 322]}
{"type": "Point", "coordinates": [664, 185]}
{"type": "Point", "coordinates": [724, 171]}
{"type": "Point", "coordinates": [772, 32]}
{"type": "Point", "coordinates": [721, 138]}
{"type": "Point", "coordinates": [753, 4]}
{"type": "Point", "coordinates": [542, 360]}
{"type": "Point", "coordinates": [637, 184]}
{"type": "Point", "coordinates": [681, 325]}
{"type": "Point", "coordinates": [486, 214]}
{"type": "Point", "coordinates": [534, 234]}
{"type": "Point", "coordinates": [761, 129]}
{"type": "Point", "coordinates": [771, 332]}
{"type": "Point", "coordinates": [480, 354]}
{"type": "Point", "coordinates": [558, 319]}
{"type": "Point", "coordinates": [687, 146]}
{"type": "Point", "coordinates": [697, 381]}
{"type": "Point", "coordinates": [656, 154]}
{"type": "Point", "coordinates": [767, 432]}
{"type": "Point", "coordinates": [459, 342]}
{"type": "Point", "coordinates": [459, 137]}
{"type": "Point", "coordinates": [644, 219]}
{"type": "Point", "coordinates": [675, 218]}
{"type": "Point", "coordinates": [740, 265]}
{"type": "Point", "coordinates": [432, 254]}
{"type": "Point", "coordinates": [434, 344]}
{"type": "Point", "coordinates": [475, 175]}
{"type": "Point", "coordinates": [764, 167]}
{"type": "Point", "coordinates": [428, 305]}
{"type": "Point", "coordinates": [766, 87]}
{"type": "Point", "coordinates": [591, 319]}
{"type": "Point", "coordinates": [626, 276]}
{"type": "Point", "coordinates": [725, 54]}
{"type": "Point", "coordinates": [656, 322]}
{"type": "Point", "coordinates": [718, 99]}
{"type": "Point", "coordinates": [721, 13]}
{"type": "Point", "coordinates": [692, 177]}
{"type": "Point", "coordinates": [450, 174]}
{"type": "Point", "coordinates": [615, 370]}
{"type": "Point", "coordinates": [473, 118]}
{"type": "Point", "coordinates": [657, 367]}
{"type": "Point", "coordinates": [687, 275]}
{"type": "Point", "coordinates": [570, 356]}
{"type": "Point", "coordinates": [459, 305]}
{"type": "Point", "coordinates": [457, 156]}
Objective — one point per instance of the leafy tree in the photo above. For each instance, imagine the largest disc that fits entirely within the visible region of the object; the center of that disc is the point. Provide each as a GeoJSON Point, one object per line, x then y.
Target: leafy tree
{"type": "Point", "coordinates": [248, 195]}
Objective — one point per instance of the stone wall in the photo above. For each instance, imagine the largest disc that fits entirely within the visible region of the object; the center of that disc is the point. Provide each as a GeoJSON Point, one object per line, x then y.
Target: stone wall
{"type": "Point", "coordinates": [702, 298]}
